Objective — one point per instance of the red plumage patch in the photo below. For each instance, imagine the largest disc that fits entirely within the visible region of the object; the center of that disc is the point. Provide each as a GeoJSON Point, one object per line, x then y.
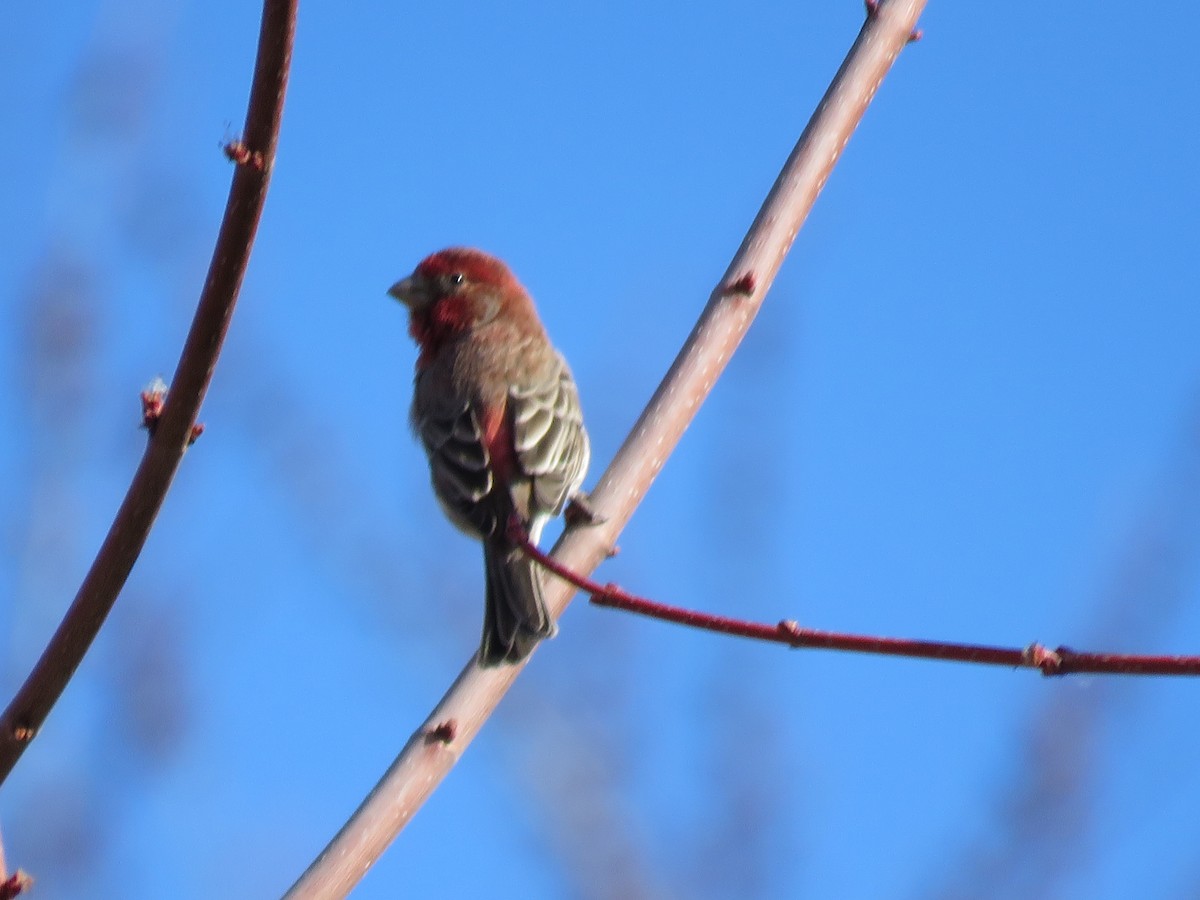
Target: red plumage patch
{"type": "Point", "coordinates": [433, 327]}
{"type": "Point", "coordinates": [497, 436]}
{"type": "Point", "coordinates": [474, 265]}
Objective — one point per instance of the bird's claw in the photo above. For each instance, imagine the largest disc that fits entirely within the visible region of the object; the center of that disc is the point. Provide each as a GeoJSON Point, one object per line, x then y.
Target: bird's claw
{"type": "Point", "coordinates": [515, 530]}
{"type": "Point", "coordinates": [579, 511]}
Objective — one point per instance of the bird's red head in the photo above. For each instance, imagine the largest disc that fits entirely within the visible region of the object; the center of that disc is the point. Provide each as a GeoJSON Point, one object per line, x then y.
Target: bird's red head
{"type": "Point", "coordinates": [454, 291]}
{"type": "Point", "coordinates": [460, 265]}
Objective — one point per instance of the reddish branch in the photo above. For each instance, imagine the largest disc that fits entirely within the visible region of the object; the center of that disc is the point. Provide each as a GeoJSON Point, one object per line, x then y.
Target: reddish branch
{"type": "Point", "coordinates": [174, 426]}
{"type": "Point", "coordinates": [154, 398]}
{"type": "Point", "coordinates": [423, 762]}
{"type": "Point", "coordinates": [15, 885]}
{"type": "Point", "coordinates": [1059, 661]}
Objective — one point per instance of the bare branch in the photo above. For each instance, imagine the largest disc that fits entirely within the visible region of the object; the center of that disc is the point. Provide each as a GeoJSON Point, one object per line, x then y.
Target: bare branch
{"type": "Point", "coordinates": [428, 755]}
{"type": "Point", "coordinates": [1059, 661]}
{"type": "Point", "coordinates": [175, 427]}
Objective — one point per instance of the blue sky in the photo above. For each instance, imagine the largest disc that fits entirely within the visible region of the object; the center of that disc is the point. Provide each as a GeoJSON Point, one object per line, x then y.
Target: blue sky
{"type": "Point", "coordinates": [969, 410]}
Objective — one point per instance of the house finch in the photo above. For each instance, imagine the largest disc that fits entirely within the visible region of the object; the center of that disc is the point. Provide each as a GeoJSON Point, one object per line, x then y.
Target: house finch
{"type": "Point", "coordinates": [498, 413]}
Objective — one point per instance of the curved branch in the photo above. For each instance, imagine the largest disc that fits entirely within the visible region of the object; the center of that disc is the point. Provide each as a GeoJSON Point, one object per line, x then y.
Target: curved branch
{"type": "Point", "coordinates": [173, 430]}
{"type": "Point", "coordinates": [436, 746]}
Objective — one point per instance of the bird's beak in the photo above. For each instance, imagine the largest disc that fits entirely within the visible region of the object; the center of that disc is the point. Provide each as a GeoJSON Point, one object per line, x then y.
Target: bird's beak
{"type": "Point", "coordinates": [410, 291]}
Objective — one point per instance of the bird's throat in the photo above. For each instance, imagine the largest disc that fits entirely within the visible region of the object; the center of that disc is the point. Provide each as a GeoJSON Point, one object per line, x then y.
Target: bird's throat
{"type": "Point", "coordinates": [438, 324]}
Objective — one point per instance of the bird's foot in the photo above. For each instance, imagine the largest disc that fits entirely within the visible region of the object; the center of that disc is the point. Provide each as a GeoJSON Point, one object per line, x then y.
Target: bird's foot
{"type": "Point", "coordinates": [579, 511]}
{"type": "Point", "coordinates": [516, 531]}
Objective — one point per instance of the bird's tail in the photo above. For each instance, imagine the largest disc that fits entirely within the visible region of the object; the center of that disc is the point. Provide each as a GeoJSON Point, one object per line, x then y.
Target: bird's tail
{"type": "Point", "coordinates": [515, 617]}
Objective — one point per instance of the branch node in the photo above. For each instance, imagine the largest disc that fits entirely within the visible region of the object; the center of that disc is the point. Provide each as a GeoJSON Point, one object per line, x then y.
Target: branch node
{"type": "Point", "coordinates": [442, 733]}
{"type": "Point", "coordinates": [153, 399]}
{"type": "Point", "coordinates": [606, 595]}
{"type": "Point", "coordinates": [743, 286]}
{"type": "Point", "coordinates": [873, 10]}
{"type": "Point", "coordinates": [790, 629]}
{"type": "Point", "coordinates": [23, 733]}
{"type": "Point", "coordinates": [239, 153]}
{"type": "Point", "coordinates": [1040, 657]}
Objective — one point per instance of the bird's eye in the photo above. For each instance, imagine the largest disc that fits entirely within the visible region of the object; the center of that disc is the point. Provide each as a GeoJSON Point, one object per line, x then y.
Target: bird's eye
{"type": "Point", "coordinates": [457, 278]}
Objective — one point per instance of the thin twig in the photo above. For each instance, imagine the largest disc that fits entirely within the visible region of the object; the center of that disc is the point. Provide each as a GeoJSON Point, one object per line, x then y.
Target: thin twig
{"type": "Point", "coordinates": [435, 747]}
{"type": "Point", "coordinates": [175, 427]}
{"type": "Point", "coordinates": [1059, 661]}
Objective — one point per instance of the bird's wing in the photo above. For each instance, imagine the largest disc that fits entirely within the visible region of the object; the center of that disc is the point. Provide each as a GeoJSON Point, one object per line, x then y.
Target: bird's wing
{"type": "Point", "coordinates": [549, 439]}
{"type": "Point", "coordinates": [459, 464]}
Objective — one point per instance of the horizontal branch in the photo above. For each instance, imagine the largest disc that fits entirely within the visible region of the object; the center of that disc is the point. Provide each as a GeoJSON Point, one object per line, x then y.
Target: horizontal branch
{"type": "Point", "coordinates": [1059, 661]}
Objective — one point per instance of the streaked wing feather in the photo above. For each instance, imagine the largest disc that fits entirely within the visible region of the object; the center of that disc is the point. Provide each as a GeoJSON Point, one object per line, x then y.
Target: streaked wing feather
{"type": "Point", "coordinates": [458, 463]}
{"type": "Point", "coordinates": [549, 438]}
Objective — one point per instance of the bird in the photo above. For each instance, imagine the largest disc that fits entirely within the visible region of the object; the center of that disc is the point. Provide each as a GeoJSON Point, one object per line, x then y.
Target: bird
{"type": "Point", "coordinates": [497, 411]}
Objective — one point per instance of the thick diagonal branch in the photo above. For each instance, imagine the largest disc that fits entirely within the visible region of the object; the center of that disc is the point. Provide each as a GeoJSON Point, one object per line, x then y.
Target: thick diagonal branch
{"type": "Point", "coordinates": [254, 155]}
{"type": "Point", "coordinates": [436, 746]}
